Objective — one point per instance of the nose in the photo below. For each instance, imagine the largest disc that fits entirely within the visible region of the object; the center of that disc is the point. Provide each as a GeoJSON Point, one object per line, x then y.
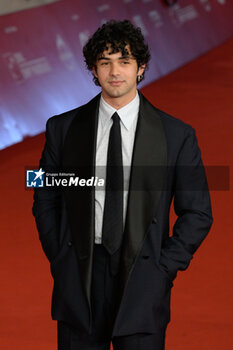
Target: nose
{"type": "Point", "coordinates": [114, 70]}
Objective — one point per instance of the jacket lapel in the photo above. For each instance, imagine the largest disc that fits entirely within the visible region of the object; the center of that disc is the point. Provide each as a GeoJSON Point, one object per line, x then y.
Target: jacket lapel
{"type": "Point", "coordinates": [79, 158]}
{"type": "Point", "coordinates": [148, 172]}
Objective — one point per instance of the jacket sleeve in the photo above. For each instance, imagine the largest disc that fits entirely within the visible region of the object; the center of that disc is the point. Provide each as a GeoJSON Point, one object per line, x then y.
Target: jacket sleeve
{"type": "Point", "coordinates": [192, 206]}
{"type": "Point", "coordinates": [47, 201]}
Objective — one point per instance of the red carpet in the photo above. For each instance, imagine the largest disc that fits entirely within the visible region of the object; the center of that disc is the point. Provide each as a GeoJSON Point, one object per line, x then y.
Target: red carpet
{"type": "Point", "coordinates": [202, 305]}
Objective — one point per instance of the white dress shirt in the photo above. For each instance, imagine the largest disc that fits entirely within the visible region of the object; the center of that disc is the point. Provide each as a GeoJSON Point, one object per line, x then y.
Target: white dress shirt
{"type": "Point", "coordinates": [128, 122]}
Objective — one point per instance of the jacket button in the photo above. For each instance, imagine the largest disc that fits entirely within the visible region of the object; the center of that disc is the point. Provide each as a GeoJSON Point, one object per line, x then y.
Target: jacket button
{"type": "Point", "coordinates": [154, 221]}
{"type": "Point", "coordinates": [145, 257]}
{"type": "Point", "coordinates": [69, 243]}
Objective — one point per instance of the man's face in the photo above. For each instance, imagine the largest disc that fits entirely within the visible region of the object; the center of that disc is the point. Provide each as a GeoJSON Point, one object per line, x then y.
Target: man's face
{"type": "Point", "coordinates": [117, 75]}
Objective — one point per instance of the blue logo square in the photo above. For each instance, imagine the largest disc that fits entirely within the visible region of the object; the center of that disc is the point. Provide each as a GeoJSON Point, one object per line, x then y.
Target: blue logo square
{"type": "Point", "coordinates": [35, 178]}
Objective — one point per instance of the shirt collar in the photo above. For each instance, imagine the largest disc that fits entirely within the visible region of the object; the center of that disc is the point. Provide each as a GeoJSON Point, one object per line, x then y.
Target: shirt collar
{"type": "Point", "coordinates": [127, 113]}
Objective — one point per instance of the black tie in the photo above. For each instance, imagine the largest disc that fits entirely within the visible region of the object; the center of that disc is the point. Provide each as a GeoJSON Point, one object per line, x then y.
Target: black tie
{"type": "Point", "coordinates": [113, 208]}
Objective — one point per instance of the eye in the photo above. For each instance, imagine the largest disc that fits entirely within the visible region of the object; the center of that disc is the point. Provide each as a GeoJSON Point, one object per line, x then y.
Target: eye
{"type": "Point", "coordinates": [104, 63]}
{"type": "Point", "coordinates": [125, 62]}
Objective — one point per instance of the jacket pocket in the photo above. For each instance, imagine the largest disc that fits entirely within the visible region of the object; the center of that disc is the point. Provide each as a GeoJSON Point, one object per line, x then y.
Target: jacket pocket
{"type": "Point", "coordinates": [64, 248]}
{"type": "Point", "coordinates": [159, 268]}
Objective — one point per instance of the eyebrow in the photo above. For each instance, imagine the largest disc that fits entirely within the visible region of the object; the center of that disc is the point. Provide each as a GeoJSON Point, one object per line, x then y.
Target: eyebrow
{"type": "Point", "coordinates": [126, 57]}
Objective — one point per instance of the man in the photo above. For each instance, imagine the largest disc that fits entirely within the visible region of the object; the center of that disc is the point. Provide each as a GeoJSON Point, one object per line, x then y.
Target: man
{"type": "Point", "coordinates": [111, 256]}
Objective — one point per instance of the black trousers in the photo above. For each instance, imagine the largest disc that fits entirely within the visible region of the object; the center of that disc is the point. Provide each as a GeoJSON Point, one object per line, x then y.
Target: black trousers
{"type": "Point", "coordinates": [104, 306]}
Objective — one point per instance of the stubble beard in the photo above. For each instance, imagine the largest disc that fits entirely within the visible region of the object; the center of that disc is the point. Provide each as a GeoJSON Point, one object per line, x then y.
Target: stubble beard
{"type": "Point", "coordinates": [116, 92]}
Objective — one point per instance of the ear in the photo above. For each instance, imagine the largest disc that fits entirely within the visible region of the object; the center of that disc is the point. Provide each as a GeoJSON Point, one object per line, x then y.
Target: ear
{"type": "Point", "coordinates": [141, 69]}
{"type": "Point", "coordinates": [94, 71]}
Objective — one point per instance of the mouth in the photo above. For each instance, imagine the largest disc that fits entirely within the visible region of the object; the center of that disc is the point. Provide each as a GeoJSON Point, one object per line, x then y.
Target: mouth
{"type": "Point", "coordinates": [116, 82]}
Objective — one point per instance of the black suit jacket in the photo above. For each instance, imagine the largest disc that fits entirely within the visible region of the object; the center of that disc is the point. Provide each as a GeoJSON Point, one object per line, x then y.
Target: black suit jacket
{"type": "Point", "coordinates": [166, 164]}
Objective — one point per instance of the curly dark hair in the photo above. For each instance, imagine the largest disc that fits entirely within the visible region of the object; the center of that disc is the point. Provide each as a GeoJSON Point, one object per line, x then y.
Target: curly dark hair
{"type": "Point", "coordinates": [116, 34]}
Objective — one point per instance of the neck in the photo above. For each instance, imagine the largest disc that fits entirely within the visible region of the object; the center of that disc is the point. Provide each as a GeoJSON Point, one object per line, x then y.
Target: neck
{"type": "Point", "coordinates": [118, 102]}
